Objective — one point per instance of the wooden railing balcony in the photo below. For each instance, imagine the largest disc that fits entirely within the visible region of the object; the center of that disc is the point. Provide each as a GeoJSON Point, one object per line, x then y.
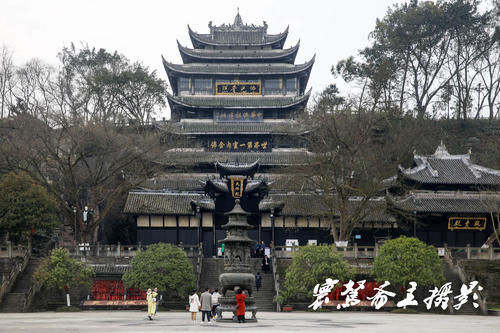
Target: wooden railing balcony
{"type": "Point", "coordinates": [119, 250]}
{"type": "Point", "coordinates": [371, 252]}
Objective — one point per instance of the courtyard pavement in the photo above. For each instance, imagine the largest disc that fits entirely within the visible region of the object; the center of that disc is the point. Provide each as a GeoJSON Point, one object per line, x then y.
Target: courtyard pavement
{"type": "Point", "coordinates": [332, 322]}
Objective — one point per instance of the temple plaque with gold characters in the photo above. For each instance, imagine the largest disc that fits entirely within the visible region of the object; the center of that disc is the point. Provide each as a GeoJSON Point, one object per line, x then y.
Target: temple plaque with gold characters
{"type": "Point", "coordinates": [237, 88]}
{"type": "Point", "coordinates": [237, 186]}
{"type": "Point", "coordinates": [238, 116]}
{"type": "Point", "coordinates": [239, 144]}
{"type": "Point", "coordinates": [467, 223]}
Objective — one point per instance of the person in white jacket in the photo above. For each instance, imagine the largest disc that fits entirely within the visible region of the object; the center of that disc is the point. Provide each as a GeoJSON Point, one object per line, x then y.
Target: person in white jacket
{"type": "Point", "coordinates": [194, 305]}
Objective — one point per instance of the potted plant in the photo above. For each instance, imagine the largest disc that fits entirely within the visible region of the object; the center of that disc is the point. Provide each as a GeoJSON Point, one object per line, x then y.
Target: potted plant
{"type": "Point", "coordinates": [282, 301]}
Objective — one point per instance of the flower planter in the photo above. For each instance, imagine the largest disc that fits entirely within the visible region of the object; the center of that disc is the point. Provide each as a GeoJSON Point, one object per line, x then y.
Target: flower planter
{"type": "Point", "coordinates": [494, 312]}
{"type": "Point", "coordinates": [287, 308]}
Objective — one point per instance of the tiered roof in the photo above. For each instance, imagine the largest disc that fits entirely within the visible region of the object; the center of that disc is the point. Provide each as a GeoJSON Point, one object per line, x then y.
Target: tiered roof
{"type": "Point", "coordinates": [447, 183]}
{"type": "Point", "coordinates": [243, 56]}
{"type": "Point", "coordinates": [448, 202]}
{"type": "Point", "coordinates": [447, 169]}
{"type": "Point", "coordinates": [299, 204]}
{"type": "Point", "coordinates": [237, 34]}
{"type": "Point", "coordinates": [213, 128]}
{"type": "Point", "coordinates": [237, 68]}
{"type": "Point", "coordinates": [191, 157]}
{"type": "Point", "coordinates": [236, 168]}
{"type": "Point", "coordinates": [241, 102]}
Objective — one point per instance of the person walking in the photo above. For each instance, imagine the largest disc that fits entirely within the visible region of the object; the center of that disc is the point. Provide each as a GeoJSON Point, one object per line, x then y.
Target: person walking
{"type": "Point", "coordinates": [206, 306]}
{"type": "Point", "coordinates": [151, 304]}
{"type": "Point", "coordinates": [257, 250]}
{"type": "Point", "coordinates": [265, 264]}
{"type": "Point", "coordinates": [240, 305]}
{"type": "Point", "coordinates": [215, 302]}
{"type": "Point", "coordinates": [194, 305]}
{"type": "Point", "coordinates": [156, 299]}
{"type": "Point", "coordinates": [258, 281]}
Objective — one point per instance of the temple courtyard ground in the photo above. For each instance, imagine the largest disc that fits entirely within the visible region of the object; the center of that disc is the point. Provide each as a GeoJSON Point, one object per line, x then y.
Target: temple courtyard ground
{"type": "Point", "coordinates": [136, 321]}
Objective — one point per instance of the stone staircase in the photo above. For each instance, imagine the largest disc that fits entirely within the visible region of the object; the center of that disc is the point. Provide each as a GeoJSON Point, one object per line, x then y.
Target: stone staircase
{"type": "Point", "coordinates": [456, 283]}
{"type": "Point", "coordinates": [213, 267]}
{"type": "Point", "coordinates": [15, 300]}
{"type": "Point", "coordinates": [210, 271]}
{"type": "Point", "coordinates": [264, 297]}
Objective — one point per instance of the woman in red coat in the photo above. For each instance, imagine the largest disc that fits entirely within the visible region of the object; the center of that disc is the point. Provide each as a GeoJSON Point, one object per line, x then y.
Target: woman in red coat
{"type": "Point", "coordinates": [240, 305]}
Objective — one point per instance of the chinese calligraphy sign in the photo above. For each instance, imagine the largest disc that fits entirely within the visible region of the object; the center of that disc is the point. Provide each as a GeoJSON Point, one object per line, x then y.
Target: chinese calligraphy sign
{"type": "Point", "coordinates": [352, 291]}
{"type": "Point", "coordinates": [239, 144]}
{"type": "Point", "coordinates": [238, 88]}
{"type": "Point", "coordinates": [238, 116]}
{"type": "Point", "coordinates": [237, 186]}
{"type": "Point", "coordinates": [467, 223]}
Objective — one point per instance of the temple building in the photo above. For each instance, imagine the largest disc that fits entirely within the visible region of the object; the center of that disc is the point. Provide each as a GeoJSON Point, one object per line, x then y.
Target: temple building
{"type": "Point", "coordinates": [447, 199]}
{"type": "Point", "coordinates": [235, 105]}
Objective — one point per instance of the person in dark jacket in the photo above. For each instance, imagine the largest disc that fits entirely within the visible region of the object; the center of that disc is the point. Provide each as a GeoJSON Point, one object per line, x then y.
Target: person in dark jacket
{"type": "Point", "coordinates": [258, 281]}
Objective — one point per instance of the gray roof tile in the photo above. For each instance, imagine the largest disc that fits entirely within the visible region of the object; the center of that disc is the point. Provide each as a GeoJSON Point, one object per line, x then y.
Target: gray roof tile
{"type": "Point", "coordinates": [444, 168]}
{"type": "Point", "coordinates": [240, 128]}
{"type": "Point", "coordinates": [200, 55]}
{"type": "Point", "coordinates": [294, 205]}
{"type": "Point", "coordinates": [238, 37]}
{"type": "Point", "coordinates": [231, 102]}
{"type": "Point", "coordinates": [241, 69]}
{"type": "Point", "coordinates": [160, 203]}
{"type": "Point", "coordinates": [447, 202]}
{"type": "Point", "coordinates": [265, 159]}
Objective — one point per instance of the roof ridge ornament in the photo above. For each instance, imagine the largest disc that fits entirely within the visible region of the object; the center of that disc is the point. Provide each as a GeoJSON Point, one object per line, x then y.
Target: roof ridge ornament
{"type": "Point", "coordinates": [238, 21]}
{"type": "Point", "coordinates": [441, 151]}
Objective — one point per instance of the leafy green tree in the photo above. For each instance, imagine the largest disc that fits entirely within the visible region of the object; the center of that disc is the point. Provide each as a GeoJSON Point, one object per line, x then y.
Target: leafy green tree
{"type": "Point", "coordinates": [60, 271]}
{"type": "Point", "coordinates": [406, 259]}
{"type": "Point", "coordinates": [162, 265]}
{"type": "Point", "coordinates": [311, 265]}
{"type": "Point", "coordinates": [25, 206]}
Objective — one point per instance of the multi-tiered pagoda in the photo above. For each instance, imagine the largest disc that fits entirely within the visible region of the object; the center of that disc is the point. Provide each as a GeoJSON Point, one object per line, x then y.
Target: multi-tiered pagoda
{"type": "Point", "coordinates": [237, 95]}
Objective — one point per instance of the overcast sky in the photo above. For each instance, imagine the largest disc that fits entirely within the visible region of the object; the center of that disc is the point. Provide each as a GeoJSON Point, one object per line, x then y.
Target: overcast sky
{"type": "Point", "coordinates": [144, 30]}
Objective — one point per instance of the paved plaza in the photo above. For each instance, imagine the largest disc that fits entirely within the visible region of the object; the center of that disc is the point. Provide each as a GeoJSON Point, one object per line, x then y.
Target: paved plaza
{"type": "Point", "coordinates": [135, 321]}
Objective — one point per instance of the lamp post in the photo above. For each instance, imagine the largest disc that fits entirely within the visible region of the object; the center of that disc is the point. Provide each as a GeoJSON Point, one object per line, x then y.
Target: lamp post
{"type": "Point", "coordinates": [198, 217]}
{"type": "Point", "coordinates": [414, 223]}
{"type": "Point", "coordinates": [272, 225]}
{"type": "Point", "coordinates": [74, 224]}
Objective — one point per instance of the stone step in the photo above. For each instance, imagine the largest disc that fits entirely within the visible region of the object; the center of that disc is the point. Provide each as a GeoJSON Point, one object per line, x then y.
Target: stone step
{"type": "Point", "coordinates": [13, 302]}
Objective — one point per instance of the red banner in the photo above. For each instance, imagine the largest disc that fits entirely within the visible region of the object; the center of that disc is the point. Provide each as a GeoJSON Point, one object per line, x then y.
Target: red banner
{"type": "Point", "coordinates": [120, 303]}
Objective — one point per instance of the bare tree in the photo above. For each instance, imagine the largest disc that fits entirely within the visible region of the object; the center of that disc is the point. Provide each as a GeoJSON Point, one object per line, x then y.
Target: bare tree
{"type": "Point", "coordinates": [349, 165]}
{"type": "Point", "coordinates": [7, 80]}
{"type": "Point", "coordinates": [488, 67]}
